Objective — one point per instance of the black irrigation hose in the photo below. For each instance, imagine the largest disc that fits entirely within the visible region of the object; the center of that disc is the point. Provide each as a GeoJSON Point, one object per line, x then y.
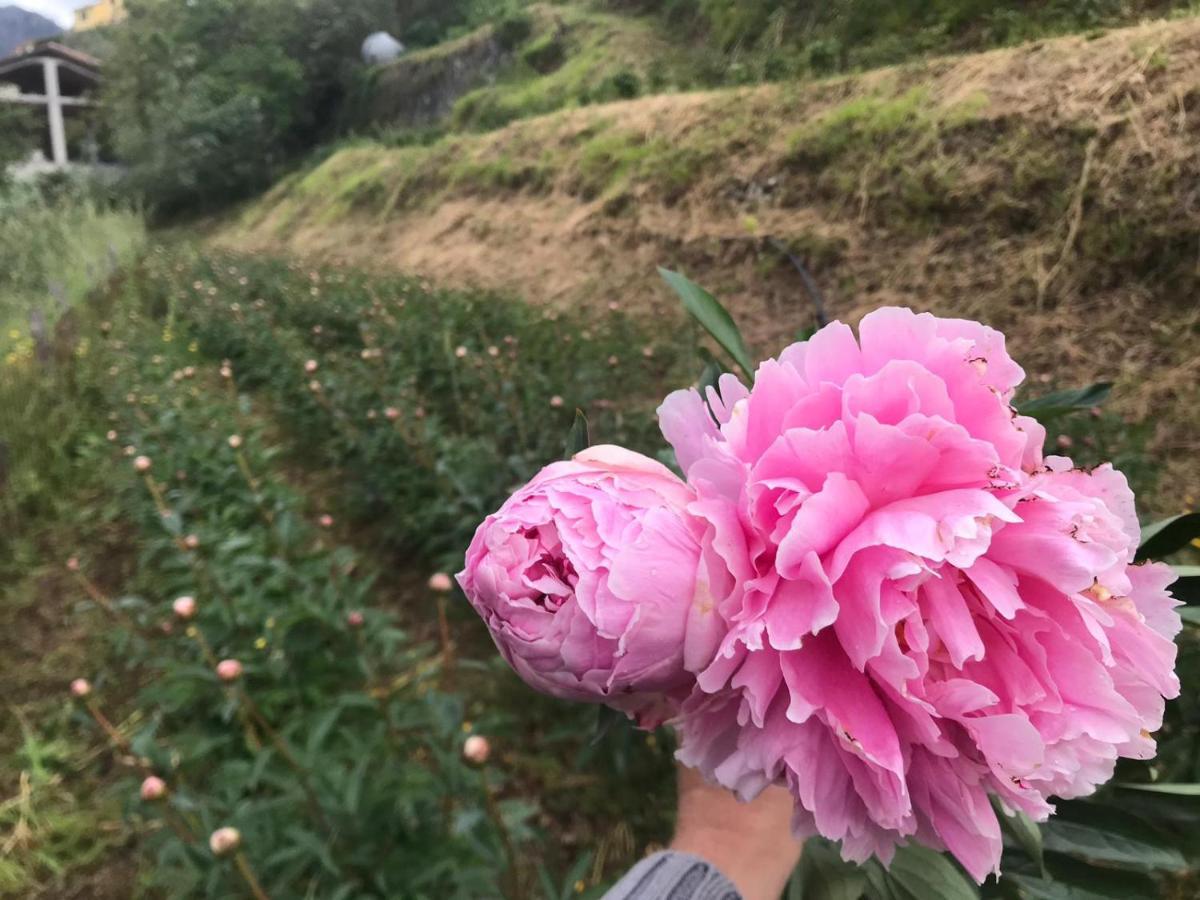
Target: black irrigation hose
{"type": "Point", "coordinates": [810, 286]}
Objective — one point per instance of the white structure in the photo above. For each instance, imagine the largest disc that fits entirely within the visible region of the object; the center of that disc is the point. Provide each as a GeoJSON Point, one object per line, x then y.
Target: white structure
{"type": "Point", "coordinates": [380, 47]}
{"type": "Point", "coordinates": [55, 78]}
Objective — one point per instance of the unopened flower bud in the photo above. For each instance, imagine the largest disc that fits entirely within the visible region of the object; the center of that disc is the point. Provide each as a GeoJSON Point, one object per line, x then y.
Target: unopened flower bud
{"type": "Point", "coordinates": [235, 441]}
{"type": "Point", "coordinates": [142, 464]}
{"type": "Point", "coordinates": [153, 788]}
{"type": "Point", "coordinates": [73, 564]}
{"type": "Point", "coordinates": [354, 619]}
{"type": "Point", "coordinates": [225, 841]}
{"type": "Point", "coordinates": [325, 521]}
{"type": "Point", "coordinates": [460, 352]}
{"type": "Point", "coordinates": [226, 372]}
{"type": "Point", "coordinates": [556, 401]}
{"type": "Point", "coordinates": [80, 687]}
{"type": "Point", "coordinates": [1064, 442]}
{"type": "Point", "coordinates": [440, 582]}
{"type": "Point", "coordinates": [392, 413]}
{"type": "Point", "coordinates": [311, 366]}
{"type": "Point", "coordinates": [314, 386]}
{"type": "Point", "coordinates": [111, 435]}
{"type": "Point", "coordinates": [191, 542]}
{"type": "Point", "coordinates": [229, 670]}
{"type": "Point", "coordinates": [476, 750]}
{"type": "Point", "coordinates": [185, 607]}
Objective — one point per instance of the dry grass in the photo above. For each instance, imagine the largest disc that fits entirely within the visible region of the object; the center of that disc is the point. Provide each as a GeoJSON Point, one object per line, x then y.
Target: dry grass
{"type": "Point", "coordinates": [1052, 190]}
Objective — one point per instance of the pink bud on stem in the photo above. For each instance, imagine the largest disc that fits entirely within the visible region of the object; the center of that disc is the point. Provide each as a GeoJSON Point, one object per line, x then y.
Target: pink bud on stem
{"type": "Point", "coordinates": [476, 750]}
{"type": "Point", "coordinates": [229, 670]}
{"type": "Point", "coordinates": [153, 788]}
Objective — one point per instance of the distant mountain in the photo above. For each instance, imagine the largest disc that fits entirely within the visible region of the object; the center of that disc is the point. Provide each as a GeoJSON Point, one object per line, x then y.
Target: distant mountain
{"type": "Point", "coordinates": [20, 25]}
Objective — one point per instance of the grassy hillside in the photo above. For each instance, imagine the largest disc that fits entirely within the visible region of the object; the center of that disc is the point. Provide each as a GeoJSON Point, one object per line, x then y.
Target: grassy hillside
{"type": "Point", "coordinates": [1042, 188]}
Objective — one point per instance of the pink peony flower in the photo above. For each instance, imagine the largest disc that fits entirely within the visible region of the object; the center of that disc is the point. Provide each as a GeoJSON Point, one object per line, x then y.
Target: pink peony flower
{"type": "Point", "coordinates": [585, 578]}
{"type": "Point", "coordinates": [910, 609]}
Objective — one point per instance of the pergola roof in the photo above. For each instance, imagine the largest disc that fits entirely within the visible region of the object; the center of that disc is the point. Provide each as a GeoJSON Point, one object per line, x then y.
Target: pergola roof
{"type": "Point", "coordinates": [78, 70]}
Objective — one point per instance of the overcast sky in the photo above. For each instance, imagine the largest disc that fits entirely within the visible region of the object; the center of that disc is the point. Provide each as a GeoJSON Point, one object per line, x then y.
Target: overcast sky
{"type": "Point", "coordinates": [58, 10]}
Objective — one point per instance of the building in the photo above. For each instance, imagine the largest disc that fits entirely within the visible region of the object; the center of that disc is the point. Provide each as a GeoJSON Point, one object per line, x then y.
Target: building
{"type": "Point", "coordinates": [61, 83]}
{"type": "Point", "coordinates": [103, 12]}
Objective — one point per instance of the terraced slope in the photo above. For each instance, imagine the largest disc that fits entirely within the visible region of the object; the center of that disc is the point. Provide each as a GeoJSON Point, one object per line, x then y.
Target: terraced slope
{"type": "Point", "coordinates": [1051, 189]}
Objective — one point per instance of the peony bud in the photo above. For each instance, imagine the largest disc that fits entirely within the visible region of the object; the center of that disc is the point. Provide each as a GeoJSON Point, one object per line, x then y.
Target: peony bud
{"type": "Point", "coordinates": [476, 750]}
{"type": "Point", "coordinates": [153, 788]}
{"type": "Point", "coordinates": [314, 386]}
{"type": "Point", "coordinates": [80, 687]}
{"type": "Point", "coordinates": [325, 521]}
{"type": "Point", "coordinates": [191, 542]}
{"type": "Point", "coordinates": [354, 619]}
{"type": "Point", "coordinates": [1064, 442]}
{"type": "Point", "coordinates": [185, 607]}
{"type": "Point", "coordinates": [73, 564]}
{"type": "Point", "coordinates": [226, 372]}
{"type": "Point", "coordinates": [493, 351]}
{"type": "Point", "coordinates": [111, 436]}
{"type": "Point", "coordinates": [460, 352]}
{"type": "Point", "coordinates": [310, 366]}
{"type": "Point", "coordinates": [225, 841]}
{"type": "Point", "coordinates": [613, 306]}
{"type": "Point", "coordinates": [129, 450]}
{"type": "Point", "coordinates": [556, 401]}
{"type": "Point", "coordinates": [229, 670]}
{"type": "Point", "coordinates": [391, 413]}
{"type": "Point", "coordinates": [613, 361]}
{"type": "Point", "coordinates": [235, 441]}
{"type": "Point", "coordinates": [142, 464]}
{"type": "Point", "coordinates": [440, 582]}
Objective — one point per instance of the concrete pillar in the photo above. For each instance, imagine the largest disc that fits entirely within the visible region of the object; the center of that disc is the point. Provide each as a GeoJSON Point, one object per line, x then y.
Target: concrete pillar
{"type": "Point", "coordinates": [54, 113]}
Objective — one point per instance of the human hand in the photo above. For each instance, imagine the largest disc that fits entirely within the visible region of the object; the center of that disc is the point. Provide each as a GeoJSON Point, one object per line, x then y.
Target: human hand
{"type": "Point", "coordinates": [750, 843]}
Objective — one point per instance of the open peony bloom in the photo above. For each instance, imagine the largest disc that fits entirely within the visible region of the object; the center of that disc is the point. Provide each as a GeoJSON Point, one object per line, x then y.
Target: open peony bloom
{"type": "Point", "coordinates": [585, 578]}
{"type": "Point", "coordinates": [910, 608]}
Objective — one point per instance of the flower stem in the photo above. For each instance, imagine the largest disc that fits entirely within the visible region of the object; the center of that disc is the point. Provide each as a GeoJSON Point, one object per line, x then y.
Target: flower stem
{"type": "Point", "coordinates": [243, 866]}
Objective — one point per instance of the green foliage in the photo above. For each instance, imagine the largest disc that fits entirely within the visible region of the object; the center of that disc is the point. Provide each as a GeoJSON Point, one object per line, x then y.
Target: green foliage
{"type": "Point", "coordinates": [210, 101]}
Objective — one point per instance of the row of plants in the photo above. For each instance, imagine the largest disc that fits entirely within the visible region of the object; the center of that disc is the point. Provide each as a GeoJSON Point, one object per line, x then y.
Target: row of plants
{"type": "Point", "coordinates": [431, 405]}
{"type": "Point", "coordinates": [287, 716]}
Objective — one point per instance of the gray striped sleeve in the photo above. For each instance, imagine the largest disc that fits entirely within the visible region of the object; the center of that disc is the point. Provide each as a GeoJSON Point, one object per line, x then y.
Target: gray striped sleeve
{"type": "Point", "coordinates": [670, 875]}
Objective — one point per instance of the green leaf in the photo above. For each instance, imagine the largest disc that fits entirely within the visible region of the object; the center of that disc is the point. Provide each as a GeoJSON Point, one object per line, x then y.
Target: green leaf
{"type": "Point", "coordinates": [1168, 535]}
{"type": "Point", "coordinates": [1187, 586]}
{"type": "Point", "coordinates": [712, 316]}
{"type": "Point", "coordinates": [1180, 790]}
{"type": "Point", "coordinates": [578, 438]}
{"type": "Point", "coordinates": [1023, 830]}
{"type": "Point", "coordinates": [926, 873]}
{"type": "Point", "coordinates": [1030, 888]}
{"type": "Point", "coordinates": [1109, 848]}
{"type": "Point", "coordinates": [1060, 402]}
{"type": "Point", "coordinates": [1191, 615]}
{"type": "Point", "coordinates": [823, 875]}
